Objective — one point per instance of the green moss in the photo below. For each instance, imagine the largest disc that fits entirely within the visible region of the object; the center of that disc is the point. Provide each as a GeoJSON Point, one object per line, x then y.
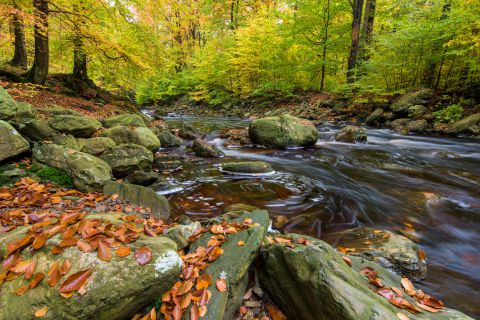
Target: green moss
{"type": "Point", "coordinates": [56, 176]}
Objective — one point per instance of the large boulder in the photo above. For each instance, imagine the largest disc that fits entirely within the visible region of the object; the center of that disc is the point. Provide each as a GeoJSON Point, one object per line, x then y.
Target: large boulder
{"type": "Point", "coordinates": [247, 168]}
{"type": "Point", "coordinates": [126, 119]}
{"type": "Point", "coordinates": [24, 111]}
{"type": "Point", "coordinates": [89, 173]}
{"type": "Point", "coordinates": [78, 126]}
{"type": "Point", "coordinates": [115, 290]}
{"type": "Point", "coordinates": [11, 142]}
{"type": "Point", "coordinates": [465, 124]}
{"type": "Point", "coordinates": [283, 132]}
{"type": "Point", "coordinates": [140, 196]}
{"type": "Point", "coordinates": [419, 97]}
{"type": "Point", "coordinates": [137, 135]}
{"type": "Point", "coordinates": [351, 134]}
{"type": "Point", "coordinates": [417, 125]}
{"type": "Point", "coordinates": [39, 130]}
{"type": "Point", "coordinates": [205, 149]}
{"type": "Point", "coordinates": [233, 264]}
{"type": "Point", "coordinates": [125, 159]}
{"type": "Point", "coordinates": [97, 145]}
{"type": "Point", "coordinates": [417, 111]}
{"type": "Point", "coordinates": [392, 251]}
{"type": "Point", "coordinates": [313, 282]}
{"type": "Point", "coordinates": [8, 107]}
{"type": "Point", "coordinates": [168, 139]}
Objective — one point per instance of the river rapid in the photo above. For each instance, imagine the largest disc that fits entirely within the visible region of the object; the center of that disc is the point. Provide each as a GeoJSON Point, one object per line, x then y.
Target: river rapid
{"type": "Point", "coordinates": [425, 188]}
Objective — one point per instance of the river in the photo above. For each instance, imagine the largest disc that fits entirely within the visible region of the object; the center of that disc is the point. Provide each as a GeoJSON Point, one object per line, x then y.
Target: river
{"type": "Point", "coordinates": [426, 188]}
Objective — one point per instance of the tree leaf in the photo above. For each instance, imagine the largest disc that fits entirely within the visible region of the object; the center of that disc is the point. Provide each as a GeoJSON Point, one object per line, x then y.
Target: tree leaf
{"type": "Point", "coordinates": [75, 281]}
{"type": "Point", "coordinates": [221, 284]}
{"type": "Point", "coordinates": [143, 255]}
{"type": "Point", "coordinates": [123, 251]}
{"type": "Point", "coordinates": [41, 312]}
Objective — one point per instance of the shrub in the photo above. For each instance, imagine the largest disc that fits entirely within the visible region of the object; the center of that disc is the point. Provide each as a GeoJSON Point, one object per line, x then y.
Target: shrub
{"type": "Point", "coordinates": [449, 114]}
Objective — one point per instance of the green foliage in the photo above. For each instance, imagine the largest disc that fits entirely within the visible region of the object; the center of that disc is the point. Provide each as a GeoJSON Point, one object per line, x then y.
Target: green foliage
{"type": "Point", "coordinates": [54, 175]}
{"type": "Point", "coordinates": [449, 114]}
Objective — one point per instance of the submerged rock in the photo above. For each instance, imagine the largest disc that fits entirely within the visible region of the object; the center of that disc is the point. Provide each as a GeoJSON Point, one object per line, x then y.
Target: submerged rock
{"type": "Point", "coordinates": [128, 158]}
{"type": "Point", "coordinates": [352, 134]}
{"type": "Point", "coordinates": [78, 126]}
{"type": "Point", "coordinates": [137, 135]}
{"type": "Point", "coordinates": [283, 132]}
{"type": "Point", "coordinates": [126, 119]}
{"type": "Point", "coordinates": [314, 282]}
{"type": "Point", "coordinates": [392, 251]}
{"type": "Point", "coordinates": [11, 142]}
{"type": "Point", "coordinates": [140, 196]}
{"type": "Point", "coordinates": [89, 173]}
{"type": "Point", "coordinates": [204, 149]}
{"type": "Point", "coordinates": [247, 167]}
{"type": "Point", "coordinates": [115, 290]}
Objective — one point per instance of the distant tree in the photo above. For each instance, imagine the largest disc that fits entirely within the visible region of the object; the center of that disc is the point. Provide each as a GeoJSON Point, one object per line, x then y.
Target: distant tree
{"type": "Point", "coordinates": [39, 71]}
{"type": "Point", "coordinates": [20, 53]}
{"type": "Point", "coordinates": [357, 7]}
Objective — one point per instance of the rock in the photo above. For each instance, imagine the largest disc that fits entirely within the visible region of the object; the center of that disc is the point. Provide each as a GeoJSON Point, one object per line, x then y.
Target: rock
{"type": "Point", "coordinates": [97, 145]}
{"type": "Point", "coordinates": [374, 117]}
{"type": "Point", "coordinates": [247, 167]}
{"type": "Point", "coordinates": [11, 142]}
{"type": "Point", "coordinates": [128, 158]}
{"type": "Point", "coordinates": [397, 124]}
{"type": "Point", "coordinates": [78, 126]}
{"type": "Point", "coordinates": [187, 132]}
{"type": "Point", "coordinates": [168, 139]}
{"type": "Point", "coordinates": [24, 111]}
{"type": "Point", "coordinates": [114, 291]}
{"type": "Point", "coordinates": [8, 107]}
{"type": "Point", "coordinates": [464, 124]}
{"type": "Point", "coordinates": [168, 163]}
{"type": "Point", "coordinates": [206, 150]}
{"type": "Point", "coordinates": [392, 251]}
{"type": "Point", "coordinates": [416, 111]}
{"type": "Point", "coordinates": [417, 125]}
{"type": "Point", "coordinates": [351, 134]}
{"type": "Point", "coordinates": [137, 135]}
{"type": "Point", "coordinates": [225, 305]}
{"type": "Point", "coordinates": [181, 233]}
{"type": "Point", "coordinates": [39, 130]}
{"type": "Point", "coordinates": [283, 132]}
{"type": "Point", "coordinates": [89, 173]}
{"type": "Point", "coordinates": [140, 196]}
{"type": "Point", "coordinates": [126, 119]}
{"type": "Point", "coordinates": [142, 178]}
{"type": "Point", "coordinates": [241, 207]}
{"type": "Point", "coordinates": [313, 282]}
{"type": "Point", "coordinates": [419, 97]}
{"type": "Point", "coordinates": [54, 110]}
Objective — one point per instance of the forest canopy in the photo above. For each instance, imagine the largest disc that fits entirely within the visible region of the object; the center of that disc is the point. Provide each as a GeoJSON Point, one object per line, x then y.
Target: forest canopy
{"type": "Point", "coordinates": [222, 51]}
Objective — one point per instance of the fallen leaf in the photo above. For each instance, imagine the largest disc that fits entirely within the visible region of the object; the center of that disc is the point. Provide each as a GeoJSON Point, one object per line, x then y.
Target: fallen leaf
{"type": "Point", "coordinates": [402, 316]}
{"type": "Point", "coordinates": [65, 267]}
{"type": "Point", "coordinates": [221, 284]}
{"type": "Point", "coordinates": [347, 260]}
{"type": "Point", "coordinates": [408, 286]}
{"type": "Point", "coordinates": [54, 275]}
{"type": "Point", "coordinates": [37, 278]}
{"type": "Point", "coordinates": [194, 312]}
{"type": "Point", "coordinates": [41, 312]}
{"type": "Point", "coordinates": [185, 287]}
{"type": "Point", "coordinates": [123, 251]}
{"type": "Point", "coordinates": [104, 253]}
{"type": "Point", "coordinates": [427, 308]}
{"type": "Point", "coordinates": [143, 255]}
{"type": "Point", "coordinates": [22, 290]}
{"type": "Point", "coordinates": [275, 313]}
{"type": "Point", "coordinates": [240, 243]}
{"type": "Point", "coordinates": [75, 281]}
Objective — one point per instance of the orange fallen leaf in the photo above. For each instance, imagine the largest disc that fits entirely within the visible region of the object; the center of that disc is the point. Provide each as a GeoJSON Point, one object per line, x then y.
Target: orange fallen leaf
{"type": "Point", "coordinates": [427, 308]}
{"type": "Point", "coordinates": [75, 281]}
{"type": "Point", "coordinates": [143, 255]}
{"type": "Point", "coordinates": [22, 290]}
{"type": "Point", "coordinates": [347, 260]}
{"type": "Point", "coordinates": [402, 316]}
{"type": "Point", "coordinates": [104, 253]}
{"type": "Point", "coordinates": [185, 287]}
{"type": "Point", "coordinates": [123, 251]}
{"type": "Point", "coordinates": [240, 243]}
{"type": "Point", "coordinates": [221, 284]}
{"type": "Point", "coordinates": [41, 312]}
{"type": "Point", "coordinates": [36, 279]}
{"type": "Point", "coordinates": [276, 313]}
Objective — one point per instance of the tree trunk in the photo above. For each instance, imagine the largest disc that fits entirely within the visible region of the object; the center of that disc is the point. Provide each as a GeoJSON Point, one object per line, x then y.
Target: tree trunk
{"type": "Point", "coordinates": [20, 55]}
{"type": "Point", "coordinates": [367, 31]}
{"type": "Point", "coordinates": [325, 40]}
{"type": "Point", "coordinates": [357, 7]}
{"type": "Point", "coordinates": [39, 72]}
{"type": "Point", "coordinates": [79, 59]}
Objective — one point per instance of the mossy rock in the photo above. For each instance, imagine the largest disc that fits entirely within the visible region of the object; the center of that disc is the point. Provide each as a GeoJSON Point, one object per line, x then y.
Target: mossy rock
{"type": "Point", "coordinates": [247, 167]}
{"type": "Point", "coordinates": [8, 107]}
{"type": "Point", "coordinates": [136, 135]}
{"type": "Point", "coordinates": [465, 124]}
{"type": "Point", "coordinates": [125, 159]}
{"type": "Point", "coordinates": [419, 97]}
{"type": "Point", "coordinates": [126, 119]}
{"type": "Point", "coordinates": [97, 145]}
{"type": "Point", "coordinates": [205, 149]}
{"type": "Point", "coordinates": [39, 130]}
{"type": "Point", "coordinates": [283, 132]}
{"type": "Point", "coordinates": [168, 139]}
{"type": "Point", "coordinates": [78, 126]}
{"type": "Point", "coordinates": [351, 134]}
{"type": "Point", "coordinates": [12, 143]}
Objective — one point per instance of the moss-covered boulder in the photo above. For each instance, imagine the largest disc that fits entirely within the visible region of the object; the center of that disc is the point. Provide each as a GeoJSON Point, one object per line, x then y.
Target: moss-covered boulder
{"type": "Point", "coordinates": [417, 125]}
{"type": "Point", "coordinates": [247, 167]}
{"type": "Point", "coordinates": [140, 196]}
{"type": "Point", "coordinates": [283, 132]}
{"type": "Point", "coordinates": [54, 110]}
{"type": "Point", "coordinates": [126, 119]}
{"type": "Point", "coordinates": [11, 142]}
{"type": "Point", "coordinates": [137, 135]}
{"type": "Point", "coordinates": [205, 149]}
{"type": "Point", "coordinates": [142, 178]}
{"type": "Point", "coordinates": [115, 290]}
{"type": "Point", "coordinates": [125, 159]}
{"type": "Point", "coordinates": [419, 97]}
{"type": "Point", "coordinates": [417, 111]}
{"type": "Point", "coordinates": [24, 111]}
{"type": "Point", "coordinates": [168, 162]}
{"type": "Point", "coordinates": [392, 251]}
{"type": "Point", "coordinates": [314, 282]}
{"type": "Point", "coordinates": [78, 126]}
{"type": "Point", "coordinates": [375, 116]}
{"type": "Point", "coordinates": [168, 139]}
{"type": "Point", "coordinates": [89, 173]}
{"type": "Point", "coordinates": [465, 124]}
{"type": "Point", "coordinates": [233, 264]}
{"type": "Point", "coordinates": [351, 134]}
{"type": "Point", "coordinates": [38, 130]}
{"type": "Point", "coordinates": [8, 107]}
{"type": "Point", "coordinates": [97, 145]}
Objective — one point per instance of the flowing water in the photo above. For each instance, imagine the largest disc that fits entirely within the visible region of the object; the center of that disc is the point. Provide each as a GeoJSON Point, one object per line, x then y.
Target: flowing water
{"type": "Point", "coordinates": [426, 188]}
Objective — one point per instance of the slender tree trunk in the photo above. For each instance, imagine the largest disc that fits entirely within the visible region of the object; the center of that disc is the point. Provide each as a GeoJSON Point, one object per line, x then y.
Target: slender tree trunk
{"type": "Point", "coordinates": [20, 54]}
{"type": "Point", "coordinates": [367, 28]}
{"type": "Point", "coordinates": [79, 59]}
{"type": "Point", "coordinates": [357, 7]}
{"type": "Point", "coordinates": [325, 40]}
{"type": "Point", "coordinates": [39, 71]}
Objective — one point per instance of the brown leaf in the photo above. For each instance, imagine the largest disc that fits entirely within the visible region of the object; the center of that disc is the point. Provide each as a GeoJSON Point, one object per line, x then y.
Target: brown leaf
{"type": "Point", "coordinates": [177, 313]}
{"type": "Point", "coordinates": [40, 240]}
{"type": "Point", "coordinates": [275, 313]}
{"type": "Point", "coordinates": [185, 287]}
{"type": "Point", "coordinates": [54, 275]}
{"type": "Point", "coordinates": [41, 312]}
{"type": "Point", "coordinates": [37, 278]}
{"type": "Point", "coordinates": [425, 307]}
{"type": "Point", "coordinates": [123, 251]}
{"type": "Point", "coordinates": [75, 281]}
{"type": "Point", "coordinates": [347, 260]}
{"type": "Point", "coordinates": [194, 312]}
{"type": "Point", "coordinates": [221, 284]}
{"type": "Point", "coordinates": [408, 286]}
{"type": "Point", "coordinates": [185, 301]}
{"type": "Point", "coordinates": [104, 253]}
{"type": "Point", "coordinates": [204, 281]}
{"type": "Point", "coordinates": [432, 302]}
{"type": "Point", "coordinates": [83, 246]}
{"type": "Point", "coordinates": [65, 267]}
{"type": "Point", "coordinates": [22, 290]}
{"type": "Point", "coordinates": [402, 316]}
{"type": "Point", "coordinates": [143, 255]}
{"type": "Point", "coordinates": [240, 243]}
